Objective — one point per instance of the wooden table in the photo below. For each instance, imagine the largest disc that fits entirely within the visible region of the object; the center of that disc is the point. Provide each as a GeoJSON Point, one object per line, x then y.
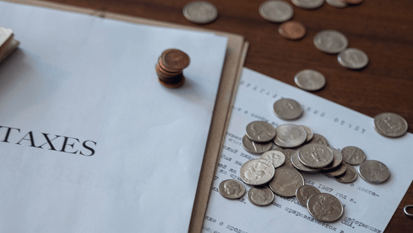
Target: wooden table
{"type": "Point", "coordinates": [381, 28]}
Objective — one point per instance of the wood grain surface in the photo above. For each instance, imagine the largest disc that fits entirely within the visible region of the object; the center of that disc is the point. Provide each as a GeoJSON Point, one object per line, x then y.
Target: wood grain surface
{"type": "Point", "coordinates": [383, 29]}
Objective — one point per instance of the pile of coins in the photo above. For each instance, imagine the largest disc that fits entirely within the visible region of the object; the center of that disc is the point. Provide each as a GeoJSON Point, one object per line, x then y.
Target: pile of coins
{"type": "Point", "coordinates": [7, 42]}
{"type": "Point", "coordinates": [170, 66]}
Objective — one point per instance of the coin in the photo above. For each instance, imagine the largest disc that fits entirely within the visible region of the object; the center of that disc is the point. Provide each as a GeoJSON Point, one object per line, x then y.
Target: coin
{"type": "Point", "coordinates": [275, 157]}
{"type": "Point", "coordinates": [338, 171]}
{"type": "Point", "coordinates": [338, 159]}
{"type": "Point", "coordinates": [289, 136]}
{"type": "Point", "coordinates": [254, 147]}
{"type": "Point", "coordinates": [337, 3]}
{"type": "Point", "coordinates": [260, 196]}
{"type": "Point", "coordinates": [260, 131]}
{"type": "Point", "coordinates": [348, 177]}
{"type": "Point", "coordinates": [390, 125]}
{"type": "Point", "coordinates": [310, 80]}
{"type": "Point", "coordinates": [353, 155]}
{"type": "Point", "coordinates": [352, 1]}
{"type": "Point", "coordinates": [309, 133]}
{"type": "Point", "coordinates": [292, 30]}
{"type": "Point", "coordinates": [374, 172]}
{"type": "Point", "coordinates": [305, 192]}
{"type": "Point", "coordinates": [287, 109]}
{"type": "Point", "coordinates": [330, 41]}
{"type": "Point", "coordinates": [353, 58]}
{"type": "Point", "coordinates": [299, 166]}
{"type": "Point", "coordinates": [286, 181]}
{"type": "Point", "coordinates": [325, 207]}
{"type": "Point", "coordinates": [315, 155]}
{"type": "Point", "coordinates": [317, 138]}
{"type": "Point", "coordinates": [257, 172]}
{"type": "Point", "coordinates": [288, 153]}
{"type": "Point", "coordinates": [200, 12]}
{"type": "Point", "coordinates": [308, 4]}
{"type": "Point", "coordinates": [231, 189]}
{"type": "Point", "coordinates": [276, 11]}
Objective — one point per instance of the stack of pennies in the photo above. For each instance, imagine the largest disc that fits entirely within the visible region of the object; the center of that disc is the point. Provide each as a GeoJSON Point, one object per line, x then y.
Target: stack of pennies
{"type": "Point", "coordinates": [169, 68]}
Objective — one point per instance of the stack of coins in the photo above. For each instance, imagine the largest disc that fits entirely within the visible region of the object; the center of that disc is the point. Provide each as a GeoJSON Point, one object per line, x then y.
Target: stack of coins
{"type": "Point", "coordinates": [170, 66]}
{"type": "Point", "coordinates": [7, 42]}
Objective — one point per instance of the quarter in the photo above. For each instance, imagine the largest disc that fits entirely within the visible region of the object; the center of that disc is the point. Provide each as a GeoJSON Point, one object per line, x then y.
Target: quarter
{"type": "Point", "coordinates": [310, 80]}
{"type": "Point", "coordinates": [286, 181]}
{"type": "Point", "coordinates": [315, 155]}
{"type": "Point", "coordinates": [353, 155]}
{"type": "Point", "coordinates": [257, 172]}
{"type": "Point", "coordinates": [275, 157]}
{"type": "Point", "coordinates": [325, 207]}
{"type": "Point", "coordinates": [374, 172]}
{"type": "Point", "coordinates": [289, 136]}
{"type": "Point", "coordinates": [390, 125]}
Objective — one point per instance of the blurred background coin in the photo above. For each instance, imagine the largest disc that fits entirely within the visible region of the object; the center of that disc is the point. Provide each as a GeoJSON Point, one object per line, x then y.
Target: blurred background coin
{"type": "Point", "coordinates": [200, 12]}
{"type": "Point", "coordinates": [390, 125]}
{"type": "Point", "coordinates": [330, 41]}
{"type": "Point", "coordinates": [352, 1]}
{"type": "Point", "coordinates": [353, 58]}
{"type": "Point", "coordinates": [310, 80]}
{"type": "Point", "coordinates": [292, 30]}
{"type": "Point", "coordinates": [287, 109]}
{"type": "Point", "coordinates": [337, 3]}
{"type": "Point", "coordinates": [276, 11]}
{"type": "Point", "coordinates": [308, 4]}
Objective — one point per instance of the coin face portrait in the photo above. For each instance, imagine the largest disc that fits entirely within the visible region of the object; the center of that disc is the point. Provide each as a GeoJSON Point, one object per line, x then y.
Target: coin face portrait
{"type": "Point", "coordinates": [374, 171]}
{"type": "Point", "coordinates": [260, 196]}
{"type": "Point", "coordinates": [390, 124]}
{"type": "Point", "coordinates": [257, 172]}
{"type": "Point", "coordinates": [286, 181]}
{"type": "Point", "coordinates": [231, 189]}
{"type": "Point", "coordinates": [325, 206]}
{"type": "Point", "coordinates": [260, 131]}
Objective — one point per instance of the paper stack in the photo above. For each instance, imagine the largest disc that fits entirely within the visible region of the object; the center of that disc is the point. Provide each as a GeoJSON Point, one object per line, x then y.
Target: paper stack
{"type": "Point", "coordinates": [7, 42]}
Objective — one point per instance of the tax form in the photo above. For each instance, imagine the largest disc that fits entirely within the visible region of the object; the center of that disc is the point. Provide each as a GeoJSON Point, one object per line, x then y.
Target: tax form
{"type": "Point", "coordinates": [367, 207]}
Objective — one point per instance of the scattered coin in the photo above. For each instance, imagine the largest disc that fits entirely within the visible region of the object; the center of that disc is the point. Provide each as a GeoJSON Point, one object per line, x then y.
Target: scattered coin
{"type": "Point", "coordinates": [200, 12]}
{"type": "Point", "coordinates": [325, 207]}
{"type": "Point", "coordinates": [353, 155]}
{"type": "Point", "coordinates": [315, 155]}
{"type": "Point", "coordinates": [330, 41]}
{"type": "Point", "coordinates": [299, 166]}
{"type": "Point", "coordinates": [231, 189]}
{"type": "Point", "coordinates": [390, 125]}
{"type": "Point", "coordinates": [260, 196]}
{"type": "Point", "coordinates": [254, 147]}
{"type": "Point", "coordinates": [353, 58]}
{"type": "Point", "coordinates": [286, 181]}
{"type": "Point", "coordinates": [308, 4]}
{"type": "Point", "coordinates": [338, 171]}
{"type": "Point", "coordinates": [276, 11]}
{"type": "Point", "coordinates": [338, 159]}
{"type": "Point", "coordinates": [275, 157]}
{"type": "Point", "coordinates": [257, 172]}
{"type": "Point", "coordinates": [317, 138]}
{"type": "Point", "coordinates": [310, 80]}
{"type": "Point", "coordinates": [337, 3]}
{"type": "Point", "coordinates": [352, 1]}
{"type": "Point", "coordinates": [305, 192]}
{"type": "Point", "coordinates": [309, 132]}
{"type": "Point", "coordinates": [260, 131]}
{"type": "Point", "coordinates": [292, 30]}
{"type": "Point", "coordinates": [348, 177]}
{"type": "Point", "coordinates": [374, 172]}
{"type": "Point", "coordinates": [287, 153]}
{"type": "Point", "coordinates": [287, 109]}
{"type": "Point", "coordinates": [289, 136]}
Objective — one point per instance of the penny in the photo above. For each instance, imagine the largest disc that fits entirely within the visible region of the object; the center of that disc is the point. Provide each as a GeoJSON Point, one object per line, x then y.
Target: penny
{"type": "Point", "coordinates": [352, 1]}
{"type": "Point", "coordinates": [353, 58]}
{"type": "Point", "coordinates": [310, 80]}
{"type": "Point", "coordinates": [309, 132]}
{"type": "Point", "coordinates": [374, 172]}
{"type": "Point", "coordinates": [337, 3]}
{"type": "Point", "coordinates": [308, 4]}
{"type": "Point", "coordinates": [257, 172]}
{"type": "Point", "coordinates": [330, 41]}
{"type": "Point", "coordinates": [338, 171]}
{"type": "Point", "coordinates": [200, 12]}
{"type": "Point", "coordinates": [337, 160]}
{"type": "Point", "coordinates": [276, 11]}
{"type": "Point", "coordinates": [260, 196]}
{"type": "Point", "coordinates": [286, 181]}
{"type": "Point", "coordinates": [287, 109]}
{"type": "Point", "coordinates": [292, 30]}
{"type": "Point", "coordinates": [289, 136]}
{"type": "Point", "coordinates": [275, 157]}
{"type": "Point", "coordinates": [299, 166]}
{"type": "Point", "coordinates": [178, 84]}
{"type": "Point", "coordinates": [315, 155]}
{"type": "Point", "coordinates": [317, 138]}
{"type": "Point", "coordinates": [390, 125]}
{"type": "Point", "coordinates": [231, 189]}
{"type": "Point", "coordinates": [305, 192]}
{"type": "Point", "coordinates": [260, 131]}
{"type": "Point", "coordinates": [175, 60]}
{"type": "Point", "coordinates": [325, 207]}
{"type": "Point", "coordinates": [353, 155]}
{"type": "Point", "coordinates": [348, 177]}
{"type": "Point", "coordinates": [254, 147]}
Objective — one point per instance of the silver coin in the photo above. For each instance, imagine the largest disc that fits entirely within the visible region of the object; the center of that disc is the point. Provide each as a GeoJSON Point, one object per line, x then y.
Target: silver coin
{"type": "Point", "coordinates": [330, 41]}
{"type": "Point", "coordinates": [325, 207]}
{"type": "Point", "coordinates": [275, 157]}
{"type": "Point", "coordinates": [390, 125]}
{"type": "Point", "coordinates": [287, 109]}
{"type": "Point", "coordinates": [299, 166]}
{"type": "Point", "coordinates": [276, 11]}
{"type": "Point", "coordinates": [257, 172]}
{"type": "Point", "coordinates": [309, 133]}
{"type": "Point", "coordinates": [308, 4]}
{"type": "Point", "coordinates": [310, 80]}
{"type": "Point", "coordinates": [374, 172]}
{"type": "Point", "coordinates": [338, 159]}
{"type": "Point", "coordinates": [305, 192]}
{"type": "Point", "coordinates": [353, 58]}
{"type": "Point", "coordinates": [260, 131]}
{"type": "Point", "coordinates": [338, 171]}
{"type": "Point", "coordinates": [286, 181]}
{"type": "Point", "coordinates": [231, 189]}
{"type": "Point", "coordinates": [318, 139]}
{"type": "Point", "coordinates": [348, 177]}
{"type": "Point", "coordinates": [289, 136]}
{"type": "Point", "coordinates": [337, 3]}
{"type": "Point", "coordinates": [200, 12]}
{"type": "Point", "coordinates": [353, 155]}
{"type": "Point", "coordinates": [315, 155]}
{"type": "Point", "coordinates": [254, 147]}
{"type": "Point", "coordinates": [260, 196]}
{"type": "Point", "coordinates": [287, 153]}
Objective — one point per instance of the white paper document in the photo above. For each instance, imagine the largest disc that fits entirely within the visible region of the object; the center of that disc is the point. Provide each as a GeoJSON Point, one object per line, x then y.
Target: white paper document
{"type": "Point", "coordinates": [368, 207]}
{"type": "Point", "coordinates": [90, 140]}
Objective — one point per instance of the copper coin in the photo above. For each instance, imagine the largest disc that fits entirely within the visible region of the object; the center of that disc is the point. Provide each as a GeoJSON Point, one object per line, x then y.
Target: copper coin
{"type": "Point", "coordinates": [352, 1]}
{"type": "Point", "coordinates": [292, 30]}
{"type": "Point", "coordinates": [173, 85]}
{"type": "Point", "coordinates": [174, 59]}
